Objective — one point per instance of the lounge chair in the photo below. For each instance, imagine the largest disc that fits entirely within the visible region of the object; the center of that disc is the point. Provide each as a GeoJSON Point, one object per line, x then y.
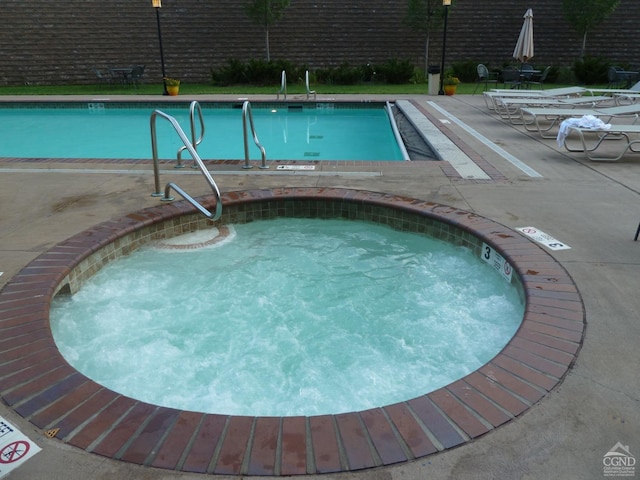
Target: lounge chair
{"type": "Point", "coordinates": [622, 139]}
{"type": "Point", "coordinates": [626, 98]}
{"type": "Point", "coordinates": [562, 92]}
{"type": "Point", "coordinates": [542, 120]}
{"type": "Point", "coordinates": [511, 108]}
{"type": "Point", "coordinates": [633, 90]}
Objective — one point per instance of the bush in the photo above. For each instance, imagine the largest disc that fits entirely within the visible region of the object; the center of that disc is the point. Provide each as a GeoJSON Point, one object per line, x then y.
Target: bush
{"type": "Point", "coordinates": [395, 71]}
{"type": "Point", "coordinates": [341, 75]}
{"type": "Point", "coordinates": [466, 71]}
{"type": "Point", "coordinates": [591, 70]}
{"type": "Point", "coordinates": [233, 74]}
{"type": "Point", "coordinates": [260, 72]}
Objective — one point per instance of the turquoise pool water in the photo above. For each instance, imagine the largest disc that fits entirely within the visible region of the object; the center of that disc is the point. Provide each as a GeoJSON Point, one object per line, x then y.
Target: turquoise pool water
{"type": "Point", "coordinates": [288, 317]}
{"type": "Point", "coordinates": [297, 132]}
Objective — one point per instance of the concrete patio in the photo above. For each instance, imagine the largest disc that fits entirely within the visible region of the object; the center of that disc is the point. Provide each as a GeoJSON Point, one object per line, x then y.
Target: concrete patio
{"type": "Point", "coordinates": [591, 207]}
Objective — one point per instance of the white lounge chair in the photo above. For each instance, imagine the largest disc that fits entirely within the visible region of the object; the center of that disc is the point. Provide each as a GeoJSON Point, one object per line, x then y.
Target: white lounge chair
{"type": "Point", "coordinates": [542, 120]}
{"type": "Point", "coordinates": [511, 108]}
{"type": "Point", "coordinates": [621, 139]}
{"type": "Point", "coordinates": [564, 92]}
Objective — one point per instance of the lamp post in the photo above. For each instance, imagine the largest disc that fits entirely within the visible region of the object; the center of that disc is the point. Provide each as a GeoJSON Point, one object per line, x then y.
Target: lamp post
{"type": "Point", "coordinates": [446, 4]}
{"type": "Point", "coordinates": [157, 4]}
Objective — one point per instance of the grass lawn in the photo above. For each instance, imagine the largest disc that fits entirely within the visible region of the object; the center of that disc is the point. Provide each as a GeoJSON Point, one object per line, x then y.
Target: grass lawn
{"type": "Point", "coordinates": [195, 89]}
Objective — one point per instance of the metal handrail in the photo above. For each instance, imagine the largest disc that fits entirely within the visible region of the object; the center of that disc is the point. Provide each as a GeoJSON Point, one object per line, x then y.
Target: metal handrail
{"type": "Point", "coordinates": [306, 82]}
{"type": "Point", "coordinates": [283, 86]}
{"type": "Point", "coordinates": [196, 159]}
{"type": "Point", "coordinates": [246, 112]}
{"type": "Point", "coordinates": [194, 141]}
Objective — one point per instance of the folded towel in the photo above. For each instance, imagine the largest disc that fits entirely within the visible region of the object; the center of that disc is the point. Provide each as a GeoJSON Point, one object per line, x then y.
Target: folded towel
{"type": "Point", "coordinates": [587, 121]}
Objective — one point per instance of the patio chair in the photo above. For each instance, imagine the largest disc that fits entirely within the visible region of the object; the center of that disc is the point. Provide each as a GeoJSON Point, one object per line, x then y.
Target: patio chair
{"type": "Point", "coordinates": [615, 79]}
{"type": "Point", "coordinates": [135, 77]}
{"type": "Point", "coordinates": [103, 76]}
{"type": "Point", "coordinates": [485, 77]}
{"type": "Point", "coordinates": [511, 76]}
{"type": "Point", "coordinates": [539, 80]}
{"type": "Point", "coordinates": [526, 74]}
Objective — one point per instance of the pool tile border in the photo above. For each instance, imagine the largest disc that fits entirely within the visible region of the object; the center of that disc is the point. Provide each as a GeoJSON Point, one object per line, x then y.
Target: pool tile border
{"type": "Point", "coordinates": [39, 384]}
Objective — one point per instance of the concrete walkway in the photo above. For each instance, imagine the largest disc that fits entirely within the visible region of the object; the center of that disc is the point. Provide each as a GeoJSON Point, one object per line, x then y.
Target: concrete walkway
{"type": "Point", "coordinates": [592, 207]}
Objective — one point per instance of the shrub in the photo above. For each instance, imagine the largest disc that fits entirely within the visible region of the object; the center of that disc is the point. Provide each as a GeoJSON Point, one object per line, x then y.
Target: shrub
{"type": "Point", "coordinates": [395, 71]}
{"type": "Point", "coordinates": [466, 71]}
{"type": "Point", "coordinates": [233, 73]}
{"type": "Point", "coordinates": [591, 70]}
{"type": "Point", "coordinates": [344, 74]}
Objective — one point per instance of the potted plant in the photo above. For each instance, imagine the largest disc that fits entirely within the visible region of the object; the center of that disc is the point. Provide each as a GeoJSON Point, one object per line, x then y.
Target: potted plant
{"type": "Point", "coordinates": [173, 85]}
{"type": "Point", "coordinates": [450, 84]}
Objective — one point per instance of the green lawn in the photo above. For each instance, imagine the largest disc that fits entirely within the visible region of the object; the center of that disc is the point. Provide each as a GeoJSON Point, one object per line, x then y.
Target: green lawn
{"type": "Point", "coordinates": [186, 88]}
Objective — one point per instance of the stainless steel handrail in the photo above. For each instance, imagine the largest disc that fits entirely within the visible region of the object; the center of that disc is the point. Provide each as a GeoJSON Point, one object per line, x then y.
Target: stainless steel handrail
{"type": "Point", "coordinates": [194, 141]}
{"type": "Point", "coordinates": [196, 159]}
{"type": "Point", "coordinates": [306, 82]}
{"type": "Point", "coordinates": [283, 86]}
{"type": "Point", "coordinates": [246, 112]}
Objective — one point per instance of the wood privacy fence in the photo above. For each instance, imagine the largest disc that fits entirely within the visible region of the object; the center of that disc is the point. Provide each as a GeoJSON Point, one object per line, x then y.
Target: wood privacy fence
{"type": "Point", "coordinates": [57, 42]}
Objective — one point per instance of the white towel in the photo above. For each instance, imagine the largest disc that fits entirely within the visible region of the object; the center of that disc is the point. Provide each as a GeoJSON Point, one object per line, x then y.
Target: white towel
{"type": "Point", "coordinates": [587, 121]}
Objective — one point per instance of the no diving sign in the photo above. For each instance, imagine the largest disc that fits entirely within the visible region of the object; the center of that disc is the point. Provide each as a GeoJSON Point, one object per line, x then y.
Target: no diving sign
{"type": "Point", "coordinates": [497, 261]}
{"type": "Point", "coordinates": [15, 448]}
{"type": "Point", "coordinates": [543, 238]}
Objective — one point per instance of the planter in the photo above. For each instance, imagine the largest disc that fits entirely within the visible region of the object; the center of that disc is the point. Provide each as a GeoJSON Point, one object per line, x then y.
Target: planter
{"type": "Point", "coordinates": [450, 89]}
{"type": "Point", "coordinates": [173, 90]}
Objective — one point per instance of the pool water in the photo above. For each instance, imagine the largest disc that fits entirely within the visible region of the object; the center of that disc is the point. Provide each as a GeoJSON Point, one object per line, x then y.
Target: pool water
{"type": "Point", "coordinates": [288, 317]}
{"type": "Point", "coordinates": [96, 130]}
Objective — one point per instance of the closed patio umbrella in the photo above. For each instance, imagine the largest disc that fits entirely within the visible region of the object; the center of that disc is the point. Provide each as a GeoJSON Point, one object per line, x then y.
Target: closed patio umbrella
{"type": "Point", "coordinates": [524, 47]}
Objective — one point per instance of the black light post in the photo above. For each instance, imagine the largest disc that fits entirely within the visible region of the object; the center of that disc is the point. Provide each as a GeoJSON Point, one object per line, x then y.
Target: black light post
{"type": "Point", "coordinates": [157, 4]}
{"type": "Point", "coordinates": [446, 4]}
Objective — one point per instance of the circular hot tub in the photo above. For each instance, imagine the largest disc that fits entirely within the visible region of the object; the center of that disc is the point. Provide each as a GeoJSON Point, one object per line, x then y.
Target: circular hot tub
{"type": "Point", "coordinates": [51, 394]}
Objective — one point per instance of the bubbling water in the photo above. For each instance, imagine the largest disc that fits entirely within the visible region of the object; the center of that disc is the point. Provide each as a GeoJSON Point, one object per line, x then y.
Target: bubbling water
{"type": "Point", "coordinates": [289, 317]}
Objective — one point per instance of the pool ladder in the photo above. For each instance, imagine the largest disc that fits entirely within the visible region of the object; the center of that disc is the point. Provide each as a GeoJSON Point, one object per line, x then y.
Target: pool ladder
{"type": "Point", "coordinates": [195, 141]}
{"type": "Point", "coordinates": [248, 115]}
{"type": "Point", "coordinates": [190, 147]}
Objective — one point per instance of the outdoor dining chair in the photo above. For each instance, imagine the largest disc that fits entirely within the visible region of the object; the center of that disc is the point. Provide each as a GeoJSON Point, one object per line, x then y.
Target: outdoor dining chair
{"type": "Point", "coordinates": [135, 77]}
{"type": "Point", "coordinates": [539, 80]}
{"type": "Point", "coordinates": [511, 77]}
{"type": "Point", "coordinates": [485, 77]}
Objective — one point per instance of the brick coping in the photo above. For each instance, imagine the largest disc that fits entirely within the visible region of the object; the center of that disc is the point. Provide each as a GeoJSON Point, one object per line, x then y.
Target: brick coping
{"type": "Point", "coordinates": [41, 386]}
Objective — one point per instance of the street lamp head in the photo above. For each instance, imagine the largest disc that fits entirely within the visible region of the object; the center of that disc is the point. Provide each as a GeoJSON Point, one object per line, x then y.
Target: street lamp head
{"type": "Point", "coordinates": [446, 3]}
{"type": "Point", "coordinates": [156, 3]}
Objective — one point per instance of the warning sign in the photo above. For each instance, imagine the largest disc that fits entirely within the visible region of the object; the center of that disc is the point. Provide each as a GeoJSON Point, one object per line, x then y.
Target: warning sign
{"type": "Point", "coordinates": [541, 237]}
{"type": "Point", "coordinates": [497, 261]}
{"type": "Point", "coordinates": [15, 447]}
{"type": "Point", "coordinates": [296, 167]}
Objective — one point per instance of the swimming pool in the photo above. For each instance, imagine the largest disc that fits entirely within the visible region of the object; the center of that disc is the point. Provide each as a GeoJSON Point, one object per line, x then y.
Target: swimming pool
{"type": "Point", "coordinates": [309, 131]}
